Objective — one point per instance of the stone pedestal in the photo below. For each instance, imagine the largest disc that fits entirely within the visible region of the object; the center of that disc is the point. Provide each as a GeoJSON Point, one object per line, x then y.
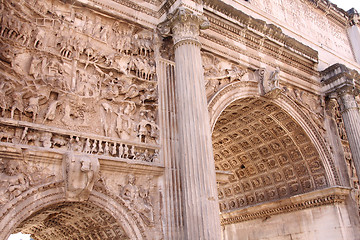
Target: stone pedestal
{"type": "Point", "coordinates": [197, 170]}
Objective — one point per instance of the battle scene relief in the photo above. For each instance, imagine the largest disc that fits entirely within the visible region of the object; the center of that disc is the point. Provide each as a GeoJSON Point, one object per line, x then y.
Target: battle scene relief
{"type": "Point", "coordinates": [65, 66]}
{"type": "Point", "coordinates": [78, 90]}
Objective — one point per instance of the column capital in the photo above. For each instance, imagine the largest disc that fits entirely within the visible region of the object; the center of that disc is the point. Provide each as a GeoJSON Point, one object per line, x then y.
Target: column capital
{"type": "Point", "coordinates": [340, 82]}
{"type": "Point", "coordinates": [338, 79]}
{"type": "Point", "coordinates": [183, 25]}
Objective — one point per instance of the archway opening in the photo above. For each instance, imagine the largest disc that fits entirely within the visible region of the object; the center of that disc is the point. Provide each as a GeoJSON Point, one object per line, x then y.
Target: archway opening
{"type": "Point", "coordinates": [266, 153]}
{"type": "Point", "coordinates": [72, 220]}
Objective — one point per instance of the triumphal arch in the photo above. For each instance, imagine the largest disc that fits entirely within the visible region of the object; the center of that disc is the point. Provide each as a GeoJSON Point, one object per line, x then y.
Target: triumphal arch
{"type": "Point", "coordinates": [179, 119]}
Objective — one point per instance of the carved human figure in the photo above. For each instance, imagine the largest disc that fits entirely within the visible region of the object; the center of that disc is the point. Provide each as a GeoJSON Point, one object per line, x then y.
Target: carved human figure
{"type": "Point", "coordinates": [141, 128]}
{"type": "Point", "coordinates": [114, 149]}
{"type": "Point", "coordinates": [87, 147]}
{"type": "Point", "coordinates": [80, 174]}
{"type": "Point", "coordinates": [124, 120]}
{"type": "Point", "coordinates": [132, 152]}
{"type": "Point", "coordinates": [106, 148]}
{"type": "Point", "coordinates": [274, 79]}
{"type": "Point", "coordinates": [17, 104]}
{"type": "Point", "coordinates": [94, 147]}
{"type": "Point", "coordinates": [51, 110]}
{"type": "Point", "coordinates": [130, 190]}
{"type": "Point", "coordinates": [139, 199]}
{"type": "Point", "coordinates": [144, 206]}
{"type": "Point", "coordinates": [33, 107]}
{"type": "Point", "coordinates": [3, 102]}
{"type": "Point", "coordinates": [37, 66]}
{"type": "Point", "coordinates": [155, 157]}
{"type": "Point", "coordinates": [104, 117]}
{"type": "Point", "coordinates": [121, 150]}
{"type": "Point", "coordinates": [12, 181]}
{"type": "Point", "coordinates": [45, 138]}
{"type": "Point", "coordinates": [126, 151]}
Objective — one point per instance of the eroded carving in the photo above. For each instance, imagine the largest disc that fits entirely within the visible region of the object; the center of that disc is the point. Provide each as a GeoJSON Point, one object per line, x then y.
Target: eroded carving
{"type": "Point", "coordinates": [80, 174]}
{"type": "Point", "coordinates": [139, 199]}
{"type": "Point", "coordinates": [218, 73]}
{"type": "Point", "coordinates": [57, 76]}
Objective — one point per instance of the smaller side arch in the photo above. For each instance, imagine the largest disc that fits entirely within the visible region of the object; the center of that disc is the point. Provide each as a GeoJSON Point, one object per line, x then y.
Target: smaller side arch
{"type": "Point", "coordinates": [16, 211]}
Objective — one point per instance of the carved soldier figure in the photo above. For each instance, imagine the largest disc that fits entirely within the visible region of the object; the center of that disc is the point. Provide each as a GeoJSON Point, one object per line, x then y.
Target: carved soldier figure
{"type": "Point", "coordinates": [17, 103]}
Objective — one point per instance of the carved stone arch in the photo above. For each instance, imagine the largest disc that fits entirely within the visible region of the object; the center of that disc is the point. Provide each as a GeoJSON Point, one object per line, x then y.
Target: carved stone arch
{"type": "Point", "coordinates": [250, 89]}
{"type": "Point", "coordinates": [31, 202]}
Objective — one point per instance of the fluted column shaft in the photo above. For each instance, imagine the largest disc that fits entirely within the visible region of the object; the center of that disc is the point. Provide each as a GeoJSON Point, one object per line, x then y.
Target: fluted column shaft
{"type": "Point", "coordinates": [351, 117]}
{"type": "Point", "coordinates": [197, 168]}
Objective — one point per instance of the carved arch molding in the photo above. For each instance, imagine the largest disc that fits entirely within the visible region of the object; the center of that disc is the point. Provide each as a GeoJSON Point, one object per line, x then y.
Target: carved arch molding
{"type": "Point", "coordinates": [267, 147]}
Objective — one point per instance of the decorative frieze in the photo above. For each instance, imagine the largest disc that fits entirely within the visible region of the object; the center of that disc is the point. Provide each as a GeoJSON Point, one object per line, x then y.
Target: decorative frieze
{"type": "Point", "coordinates": [319, 198]}
{"type": "Point", "coordinates": [35, 135]}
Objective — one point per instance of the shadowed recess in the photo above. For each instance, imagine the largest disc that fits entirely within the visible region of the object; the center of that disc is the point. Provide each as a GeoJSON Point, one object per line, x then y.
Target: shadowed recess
{"type": "Point", "coordinates": [268, 154]}
{"type": "Point", "coordinates": [72, 221]}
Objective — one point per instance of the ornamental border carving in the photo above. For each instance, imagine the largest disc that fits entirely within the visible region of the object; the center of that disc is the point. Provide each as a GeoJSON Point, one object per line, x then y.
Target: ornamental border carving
{"type": "Point", "coordinates": [323, 197]}
{"type": "Point", "coordinates": [237, 90]}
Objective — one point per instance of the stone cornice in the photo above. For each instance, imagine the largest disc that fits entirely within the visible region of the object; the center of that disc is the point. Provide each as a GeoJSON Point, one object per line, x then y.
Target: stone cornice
{"type": "Point", "coordinates": [161, 7]}
{"type": "Point", "coordinates": [328, 196]}
{"type": "Point", "coordinates": [259, 26]}
{"type": "Point", "coordinates": [354, 17]}
{"type": "Point", "coordinates": [338, 78]}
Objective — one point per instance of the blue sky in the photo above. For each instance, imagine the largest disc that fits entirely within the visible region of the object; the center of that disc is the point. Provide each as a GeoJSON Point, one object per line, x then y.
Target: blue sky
{"type": "Point", "coordinates": [347, 4]}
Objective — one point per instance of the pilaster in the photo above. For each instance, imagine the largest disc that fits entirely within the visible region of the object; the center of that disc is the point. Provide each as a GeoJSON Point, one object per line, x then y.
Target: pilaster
{"type": "Point", "coordinates": [354, 33]}
{"type": "Point", "coordinates": [196, 162]}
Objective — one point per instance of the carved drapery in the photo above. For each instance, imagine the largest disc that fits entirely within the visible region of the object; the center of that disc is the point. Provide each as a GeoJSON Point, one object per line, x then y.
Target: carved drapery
{"type": "Point", "coordinates": [197, 171]}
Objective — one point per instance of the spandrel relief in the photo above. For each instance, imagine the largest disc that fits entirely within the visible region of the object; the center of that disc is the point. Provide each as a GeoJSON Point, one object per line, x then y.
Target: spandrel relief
{"type": "Point", "coordinates": [218, 73]}
{"type": "Point", "coordinates": [19, 176]}
{"type": "Point", "coordinates": [138, 197]}
{"type": "Point", "coordinates": [313, 104]}
{"type": "Point", "coordinates": [68, 67]}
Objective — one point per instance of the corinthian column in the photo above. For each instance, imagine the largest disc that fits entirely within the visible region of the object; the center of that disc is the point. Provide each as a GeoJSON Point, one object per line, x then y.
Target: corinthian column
{"type": "Point", "coordinates": [340, 84]}
{"type": "Point", "coordinates": [197, 169]}
{"type": "Point", "coordinates": [351, 117]}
